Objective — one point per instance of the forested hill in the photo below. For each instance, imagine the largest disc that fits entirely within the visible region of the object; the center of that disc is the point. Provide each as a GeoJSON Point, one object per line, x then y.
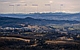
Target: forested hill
{"type": "Point", "coordinates": [49, 16]}
{"type": "Point", "coordinates": [15, 22]}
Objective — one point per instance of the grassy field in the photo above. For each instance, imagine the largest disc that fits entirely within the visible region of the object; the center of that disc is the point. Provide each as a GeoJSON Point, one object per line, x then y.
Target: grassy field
{"type": "Point", "coordinates": [12, 43]}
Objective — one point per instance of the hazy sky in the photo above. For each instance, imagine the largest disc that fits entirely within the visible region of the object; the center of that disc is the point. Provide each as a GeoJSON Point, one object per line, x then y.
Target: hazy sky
{"type": "Point", "coordinates": [55, 6]}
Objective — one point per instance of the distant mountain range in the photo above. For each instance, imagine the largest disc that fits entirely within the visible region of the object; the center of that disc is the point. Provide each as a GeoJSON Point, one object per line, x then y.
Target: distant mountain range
{"type": "Point", "coordinates": [49, 16]}
{"type": "Point", "coordinates": [16, 22]}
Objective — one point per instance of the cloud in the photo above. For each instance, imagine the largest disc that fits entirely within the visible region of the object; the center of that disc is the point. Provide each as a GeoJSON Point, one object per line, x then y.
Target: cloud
{"type": "Point", "coordinates": [10, 1]}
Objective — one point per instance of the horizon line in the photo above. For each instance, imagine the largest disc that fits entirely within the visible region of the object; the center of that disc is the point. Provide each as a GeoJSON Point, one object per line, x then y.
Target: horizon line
{"type": "Point", "coordinates": [40, 12]}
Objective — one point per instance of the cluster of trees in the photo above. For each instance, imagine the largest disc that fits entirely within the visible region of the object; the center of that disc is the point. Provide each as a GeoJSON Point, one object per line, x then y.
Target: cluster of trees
{"type": "Point", "coordinates": [6, 44]}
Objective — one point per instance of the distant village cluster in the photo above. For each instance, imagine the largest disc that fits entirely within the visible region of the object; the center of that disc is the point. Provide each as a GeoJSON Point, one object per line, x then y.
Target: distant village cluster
{"type": "Point", "coordinates": [53, 32]}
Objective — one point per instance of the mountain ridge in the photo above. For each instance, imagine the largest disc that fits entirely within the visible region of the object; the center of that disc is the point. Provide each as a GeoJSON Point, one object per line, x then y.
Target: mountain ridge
{"type": "Point", "coordinates": [15, 22]}
{"type": "Point", "coordinates": [49, 16]}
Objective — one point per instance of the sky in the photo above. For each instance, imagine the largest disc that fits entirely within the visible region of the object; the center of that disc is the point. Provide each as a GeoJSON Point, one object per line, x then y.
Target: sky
{"type": "Point", "coordinates": [31, 6]}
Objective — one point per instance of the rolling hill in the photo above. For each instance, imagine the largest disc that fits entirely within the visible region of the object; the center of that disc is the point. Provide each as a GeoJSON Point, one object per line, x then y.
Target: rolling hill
{"type": "Point", "coordinates": [15, 22]}
{"type": "Point", "coordinates": [49, 16]}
